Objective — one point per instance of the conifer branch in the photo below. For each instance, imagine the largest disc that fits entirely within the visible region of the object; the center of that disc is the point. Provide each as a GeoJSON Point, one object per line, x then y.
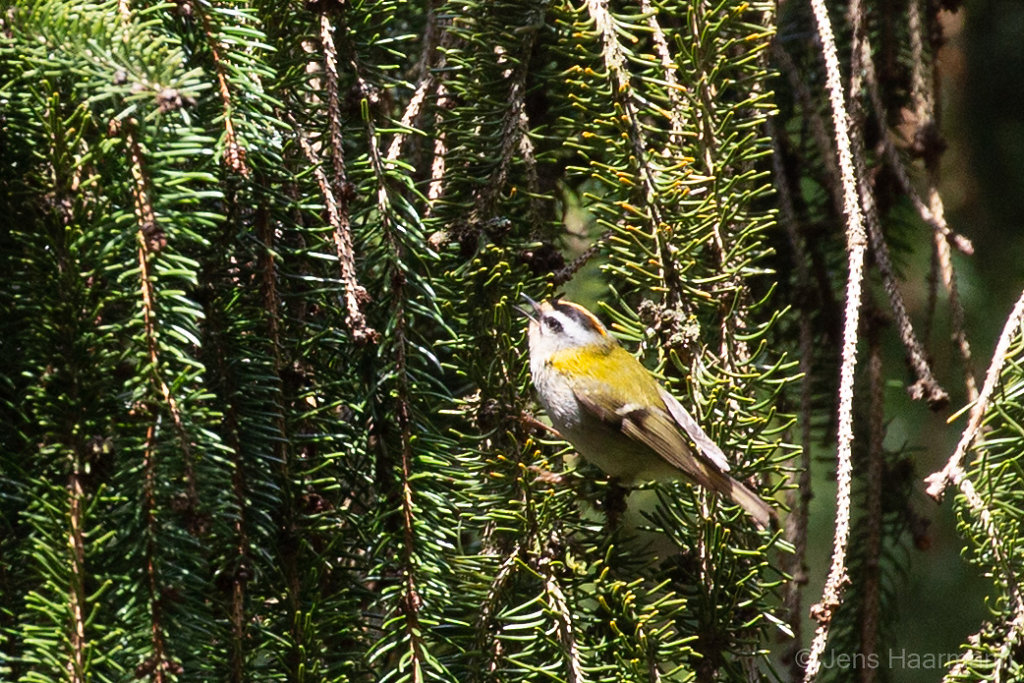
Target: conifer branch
{"type": "Point", "coordinates": [151, 240]}
{"type": "Point", "coordinates": [668, 70]}
{"type": "Point", "coordinates": [614, 58]}
{"type": "Point", "coordinates": [813, 120]}
{"type": "Point", "coordinates": [236, 611]}
{"type": "Point", "coordinates": [430, 62]}
{"type": "Point", "coordinates": [514, 130]}
{"type": "Point", "coordinates": [234, 152]}
{"type": "Point", "coordinates": [156, 664]}
{"type": "Point", "coordinates": [564, 616]}
{"type": "Point", "coordinates": [76, 594]}
{"type": "Point", "coordinates": [282, 454]}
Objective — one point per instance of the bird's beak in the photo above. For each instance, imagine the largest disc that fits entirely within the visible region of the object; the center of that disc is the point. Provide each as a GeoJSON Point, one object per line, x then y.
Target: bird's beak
{"type": "Point", "coordinates": [536, 308]}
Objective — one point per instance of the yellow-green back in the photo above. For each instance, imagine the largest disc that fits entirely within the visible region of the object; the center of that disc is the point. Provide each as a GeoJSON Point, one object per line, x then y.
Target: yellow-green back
{"type": "Point", "coordinates": [622, 378]}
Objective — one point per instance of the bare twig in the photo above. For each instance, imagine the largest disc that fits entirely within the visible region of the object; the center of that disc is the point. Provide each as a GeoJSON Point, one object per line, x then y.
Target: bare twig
{"type": "Point", "coordinates": [438, 166]}
{"type": "Point", "coordinates": [565, 274]}
{"type": "Point", "coordinates": [958, 332]}
{"type": "Point", "coordinates": [337, 216]}
{"type": "Point", "coordinates": [933, 213]}
{"type": "Point", "coordinates": [856, 240]}
{"type": "Point", "coordinates": [953, 471]}
{"type": "Point", "coordinates": [340, 179]}
{"type": "Point", "coordinates": [926, 387]}
{"type": "Point", "coordinates": [927, 120]}
{"type": "Point", "coordinates": [892, 155]}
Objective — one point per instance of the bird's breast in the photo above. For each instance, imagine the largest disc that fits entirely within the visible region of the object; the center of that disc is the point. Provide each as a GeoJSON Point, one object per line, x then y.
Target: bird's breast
{"type": "Point", "coordinates": [600, 443]}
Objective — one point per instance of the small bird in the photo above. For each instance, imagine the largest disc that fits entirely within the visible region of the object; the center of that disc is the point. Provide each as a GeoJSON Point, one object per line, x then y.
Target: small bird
{"type": "Point", "coordinates": [616, 414]}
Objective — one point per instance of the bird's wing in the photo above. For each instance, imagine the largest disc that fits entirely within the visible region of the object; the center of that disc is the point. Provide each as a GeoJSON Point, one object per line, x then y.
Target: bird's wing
{"type": "Point", "coordinates": [708, 447]}
{"type": "Point", "coordinates": [649, 425]}
{"type": "Point", "coordinates": [657, 429]}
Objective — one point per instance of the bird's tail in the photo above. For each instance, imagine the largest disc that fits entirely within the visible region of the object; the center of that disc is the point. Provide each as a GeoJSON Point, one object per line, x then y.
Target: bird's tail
{"type": "Point", "coordinates": [763, 514]}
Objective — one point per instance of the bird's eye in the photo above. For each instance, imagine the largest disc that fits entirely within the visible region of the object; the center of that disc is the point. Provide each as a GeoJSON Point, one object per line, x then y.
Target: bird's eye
{"type": "Point", "coordinates": [552, 324]}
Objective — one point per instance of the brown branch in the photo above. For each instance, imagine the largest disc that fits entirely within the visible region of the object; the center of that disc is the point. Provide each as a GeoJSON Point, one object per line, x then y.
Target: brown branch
{"type": "Point", "coordinates": [234, 153]}
{"type": "Point", "coordinates": [151, 240]}
{"type": "Point", "coordinates": [336, 194]}
{"type": "Point", "coordinates": [856, 241]}
{"type": "Point", "coordinates": [337, 216]}
{"type": "Point", "coordinates": [76, 592]}
{"type": "Point", "coordinates": [953, 471]}
{"type": "Point", "coordinates": [155, 664]}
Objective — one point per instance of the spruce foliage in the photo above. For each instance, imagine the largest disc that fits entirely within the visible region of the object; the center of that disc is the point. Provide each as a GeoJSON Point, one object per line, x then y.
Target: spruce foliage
{"type": "Point", "coordinates": [265, 408]}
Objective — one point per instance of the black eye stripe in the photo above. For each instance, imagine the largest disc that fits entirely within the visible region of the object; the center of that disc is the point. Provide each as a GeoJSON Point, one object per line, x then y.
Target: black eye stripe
{"type": "Point", "coordinates": [575, 314]}
{"type": "Point", "coordinates": [552, 323]}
